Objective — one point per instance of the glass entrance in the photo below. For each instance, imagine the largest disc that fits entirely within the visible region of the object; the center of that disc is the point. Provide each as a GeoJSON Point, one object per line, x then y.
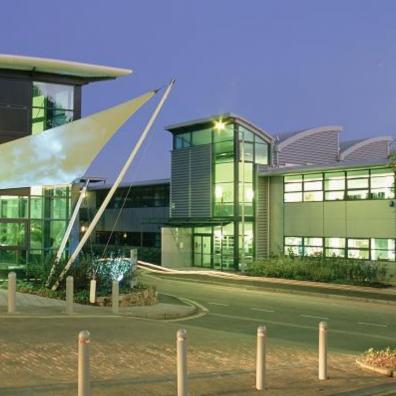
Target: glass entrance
{"type": "Point", "coordinates": [202, 255]}
{"type": "Point", "coordinates": [12, 244]}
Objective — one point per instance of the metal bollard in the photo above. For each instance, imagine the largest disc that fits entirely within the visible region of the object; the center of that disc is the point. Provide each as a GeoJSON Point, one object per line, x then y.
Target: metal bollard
{"type": "Point", "coordinates": [69, 295]}
{"type": "Point", "coordinates": [115, 292]}
{"type": "Point", "coordinates": [84, 385]}
{"type": "Point", "coordinates": [182, 378]}
{"type": "Point", "coordinates": [323, 351]}
{"type": "Point", "coordinates": [260, 357]}
{"type": "Point", "coordinates": [92, 291]}
{"type": "Point", "coordinates": [12, 292]}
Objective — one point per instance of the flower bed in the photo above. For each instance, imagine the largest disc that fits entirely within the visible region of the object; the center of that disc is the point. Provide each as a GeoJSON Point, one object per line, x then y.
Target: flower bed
{"type": "Point", "coordinates": [381, 361]}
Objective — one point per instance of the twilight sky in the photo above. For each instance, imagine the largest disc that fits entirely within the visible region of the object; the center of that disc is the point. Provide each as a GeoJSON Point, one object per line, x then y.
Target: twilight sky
{"type": "Point", "coordinates": [284, 64]}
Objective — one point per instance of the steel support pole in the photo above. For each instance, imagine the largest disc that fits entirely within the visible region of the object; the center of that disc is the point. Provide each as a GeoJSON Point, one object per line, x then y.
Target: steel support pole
{"type": "Point", "coordinates": [12, 292]}
{"type": "Point", "coordinates": [261, 357]}
{"type": "Point", "coordinates": [92, 291]}
{"type": "Point", "coordinates": [69, 295]}
{"type": "Point", "coordinates": [84, 386]}
{"type": "Point", "coordinates": [115, 293]}
{"type": "Point", "coordinates": [323, 351]}
{"type": "Point", "coordinates": [182, 376]}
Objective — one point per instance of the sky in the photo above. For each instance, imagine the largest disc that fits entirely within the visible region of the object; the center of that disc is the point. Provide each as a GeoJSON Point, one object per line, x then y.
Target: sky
{"type": "Point", "coordinates": [284, 64]}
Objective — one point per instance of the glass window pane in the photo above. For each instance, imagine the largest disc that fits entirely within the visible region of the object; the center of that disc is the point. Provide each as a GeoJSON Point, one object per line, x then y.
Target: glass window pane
{"type": "Point", "coordinates": [201, 137]}
{"type": "Point", "coordinates": [388, 255]}
{"type": "Point", "coordinates": [335, 242]}
{"type": "Point", "coordinates": [293, 178]}
{"type": "Point", "coordinates": [293, 250]}
{"type": "Point", "coordinates": [294, 241]}
{"type": "Point", "coordinates": [385, 244]}
{"type": "Point", "coordinates": [335, 252]}
{"type": "Point", "coordinates": [53, 95]}
{"type": "Point", "coordinates": [261, 154]}
{"type": "Point", "coordinates": [358, 243]}
{"type": "Point", "coordinates": [293, 197]}
{"type": "Point", "coordinates": [312, 185]}
{"type": "Point", "coordinates": [313, 177]}
{"type": "Point", "coordinates": [335, 181]}
{"type": "Point", "coordinates": [387, 181]}
{"type": "Point", "coordinates": [358, 254]}
{"type": "Point", "coordinates": [382, 193]}
{"type": "Point", "coordinates": [334, 195]}
{"type": "Point", "coordinates": [224, 172]}
{"type": "Point", "coordinates": [183, 140]}
{"type": "Point", "coordinates": [224, 209]}
{"type": "Point", "coordinates": [313, 251]}
{"type": "Point", "coordinates": [246, 172]}
{"type": "Point", "coordinates": [313, 196]}
{"type": "Point", "coordinates": [224, 151]}
{"type": "Point", "coordinates": [247, 190]}
{"type": "Point", "coordinates": [226, 132]}
{"type": "Point", "coordinates": [224, 192]}
{"type": "Point", "coordinates": [245, 134]}
{"type": "Point", "coordinates": [313, 241]}
{"type": "Point", "coordinates": [358, 194]}
{"type": "Point", "coordinates": [357, 174]}
{"type": "Point", "coordinates": [382, 172]}
{"type": "Point", "coordinates": [246, 152]}
{"type": "Point", "coordinates": [290, 187]}
{"type": "Point", "coordinates": [358, 183]}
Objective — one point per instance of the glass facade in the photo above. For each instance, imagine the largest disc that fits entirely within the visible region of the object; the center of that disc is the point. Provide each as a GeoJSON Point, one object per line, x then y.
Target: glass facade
{"type": "Point", "coordinates": [229, 242]}
{"type": "Point", "coordinates": [375, 249]}
{"type": "Point", "coordinates": [340, 185]}
{"type": "Point", "coordinates": [33, 220]}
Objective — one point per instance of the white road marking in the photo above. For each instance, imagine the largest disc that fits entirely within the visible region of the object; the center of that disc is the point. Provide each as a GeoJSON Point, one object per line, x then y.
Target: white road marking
{"type": "Point", "coordinates": [314, 317]}
{"type": "Point", "coordinates": [219, 304]}
{"type": "Point", "coordinates": [262, 310]}
{"type": "Point", "coordinates": [372, 324]}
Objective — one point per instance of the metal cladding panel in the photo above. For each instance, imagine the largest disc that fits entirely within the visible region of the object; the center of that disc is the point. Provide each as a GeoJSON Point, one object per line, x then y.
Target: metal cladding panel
{"type": "Point", "coordinates": [374, 150]}
{"type": "Point", "coordinates": [318, 148]}
{"type": "Point", "coordinates": [180, 183]}
{"type": "Point", "coordinates": [262, 218]}
{"type": "Point", "coordinates": [191, 182]}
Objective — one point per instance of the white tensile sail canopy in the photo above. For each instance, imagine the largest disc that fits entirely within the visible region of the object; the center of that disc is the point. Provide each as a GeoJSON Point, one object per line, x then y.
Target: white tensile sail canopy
{"type": "Point", "coordinates": [63, 154]}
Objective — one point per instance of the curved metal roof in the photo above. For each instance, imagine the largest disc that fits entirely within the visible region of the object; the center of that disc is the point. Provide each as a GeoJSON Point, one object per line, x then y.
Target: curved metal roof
{"type": "Point", "coordinates": [349, 147]}
{"type": "Point", "coordinates": [60, 67]}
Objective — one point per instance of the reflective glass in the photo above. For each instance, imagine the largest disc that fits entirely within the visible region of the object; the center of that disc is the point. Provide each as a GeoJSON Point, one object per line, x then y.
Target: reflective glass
{"type": "Point", "coordinates": [335, 242]}
{"type": "Point", "coordinates": [335, 252]}
{"type": "Point", "coordinates": [291, 187]}
{"type": "Point", "coordinates": [294, 241]}
{"type": "Point", "coordinates": [224, 172]}
{"type": "Point", "coordinates": [358, 183]}
{"type": "Point", "coordinates": [261, 152]}
{"type": "Point", "coordinates": [313, 241]}
{"type": "Point", "coordinates": [334, 195]}
{"type": "Point", "coordinates": [335, 181]}
{"type": "Point", "coordinates": [358, 254]}
{"type": "Point", "coordinates": [53, 95]}
{"type": "Point", "coordinates": [357, 194]}
{"type": "Point", "coordinates": [201, 137]}
{"type": "Point", "coordinates": [313, 251]}
{"type": "Point", "coordinates": [382, 193]}
{"type": "Point", "coordinates": [313, 196]}
{"type": "Point", "coordinates": [225, 133]}
{"type": "Point", "coordinates": [358, 243]}
{"type": "Point", "coordinates": [246, 172]}
{"type": "Point", "coordinates": [293, 197]}
{"type": "Point", "coordinates": [246, 152]}
{"type": "Point", "coordinates": [312, 185]}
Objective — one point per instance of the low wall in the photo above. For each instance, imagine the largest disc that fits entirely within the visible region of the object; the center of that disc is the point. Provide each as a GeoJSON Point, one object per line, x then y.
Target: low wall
{"type": "Point", "coordinates": [141, 297]}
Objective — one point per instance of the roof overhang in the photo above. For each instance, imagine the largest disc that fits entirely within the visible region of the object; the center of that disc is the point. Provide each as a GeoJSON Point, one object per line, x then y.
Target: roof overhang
{"type": "Point", "coordinates": [225, 117]}
{"type": "Point", "coordinates": [88, 72]}
{"type": "Point", "coordinates": [286, 170]}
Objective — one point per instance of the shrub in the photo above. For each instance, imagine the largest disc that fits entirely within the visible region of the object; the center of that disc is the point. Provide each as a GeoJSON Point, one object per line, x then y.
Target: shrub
{"type": "Point", "coordinates": [320, 269]}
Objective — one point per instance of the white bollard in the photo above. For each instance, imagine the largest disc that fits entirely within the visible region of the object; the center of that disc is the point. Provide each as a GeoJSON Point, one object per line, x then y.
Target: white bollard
{"type": "Point", "coordinates": [323, 351]}
{"type": "Point", "coordinates": [12, 292]}
{"type": "Point", "coordinates": [84, 385]}
{"type": "Point", "coordinates": [182, 377]}
{"type": "Point", "coordinates": [69, 295]}
{"type": "Point", "coordinates": [115, 293]}
{"type": "Point", "coordinates": [92, 291]}
{"type": "Point", "coordinates": [260, 357]}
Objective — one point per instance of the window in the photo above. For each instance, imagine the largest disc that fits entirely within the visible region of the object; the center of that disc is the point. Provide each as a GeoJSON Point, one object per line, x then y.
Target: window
{"type": "Point", "coordinates": [335, 247]}
{"type": "Point", "coordinates": [294, 246]}
{"type": "Point", "coordinates": [201, 137]}
{"type": "Point", "coordinates": [383, 249]}
{"type": "Point", "coordinates": [334, 184]}
{"type": "Point", "coordinates": [358, 248]}
{"type": "Point", "coordinates": [182, 140]}
{"type": "Point", "coordinates": [340, 185]}
{"type": "Point", "coordinates": [313, 246]}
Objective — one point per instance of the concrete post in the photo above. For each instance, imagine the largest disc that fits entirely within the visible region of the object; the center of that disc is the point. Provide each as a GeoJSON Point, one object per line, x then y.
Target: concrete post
{"type": "Point", "coordinates": [12, 292]}
{"type": "Point", "coordinates": [182, 378]}
{"type": "Point", "coordinates": [84, 386]}
{"type": "Point", "coordinates": [69, 295]}
{"type": "Point", "coordinates": [92, 291]}
{"type": "Point", "coordinates": [115, 292]}
{"type": "Point", "coordinates": [323, 351]}
{"type": "Point", "coordinates": [261, 357]}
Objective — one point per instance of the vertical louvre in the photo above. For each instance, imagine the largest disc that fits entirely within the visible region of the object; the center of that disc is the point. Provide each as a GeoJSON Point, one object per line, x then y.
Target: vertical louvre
{"type": "Point", "coordinates": [262, 218]}
{"type": "Point", "coordinates": [180, 183]}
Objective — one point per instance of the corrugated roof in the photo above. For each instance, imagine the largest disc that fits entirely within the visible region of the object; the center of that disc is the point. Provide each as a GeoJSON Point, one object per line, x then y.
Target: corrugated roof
{"type": "Point", "coordinates": [60, 67]}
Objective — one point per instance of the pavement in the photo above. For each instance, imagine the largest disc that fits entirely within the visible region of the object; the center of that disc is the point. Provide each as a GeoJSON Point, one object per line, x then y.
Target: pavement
{"type": "Point", "coordinates": [129, 355]}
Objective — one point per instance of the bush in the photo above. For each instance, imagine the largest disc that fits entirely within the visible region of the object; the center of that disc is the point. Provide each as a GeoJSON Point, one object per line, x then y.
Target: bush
{"type": "Point", "coordinates": [320, 269]}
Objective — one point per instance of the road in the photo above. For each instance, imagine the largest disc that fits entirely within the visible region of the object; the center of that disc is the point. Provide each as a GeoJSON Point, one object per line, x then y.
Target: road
{"type": "Point", "coordinates": [290, 318]}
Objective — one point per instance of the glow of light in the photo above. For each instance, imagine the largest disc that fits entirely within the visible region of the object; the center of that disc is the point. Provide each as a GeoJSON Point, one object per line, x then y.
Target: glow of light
{"type": "Point", "coordinates": [249, 195]}
{"type": "Point", "coordinates": [219, 192]}
{"type": "Point", "coordinates": [125, 235]}
{"type": "Point", "coordinates": [218, 234]}
{"type": "Point", "coordinates": [219, 125]}
{"type": "Point", "coordinates": [83, 228]}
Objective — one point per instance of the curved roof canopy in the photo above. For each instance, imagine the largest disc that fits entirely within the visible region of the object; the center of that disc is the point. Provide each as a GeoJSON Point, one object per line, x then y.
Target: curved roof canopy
{"type": "Point", "coordinates": [289, 138]}
{"type": "Point", "coordinates": [351, 146]}
{"type": "Point", "coordinates": [63, 154]}
{"type": "Point", "coordinates": [60, 67]}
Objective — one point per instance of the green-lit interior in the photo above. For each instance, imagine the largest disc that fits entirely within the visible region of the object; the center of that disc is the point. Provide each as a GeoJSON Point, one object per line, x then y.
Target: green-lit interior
{"type": "Point", "coordinates": [235, 152]}
{"type": "Point", "coordinates": [33, 223]}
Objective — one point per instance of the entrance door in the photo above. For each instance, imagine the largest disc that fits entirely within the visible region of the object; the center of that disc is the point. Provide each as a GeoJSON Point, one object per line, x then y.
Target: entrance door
{"type": "Point", "coordinates": [202, 251]}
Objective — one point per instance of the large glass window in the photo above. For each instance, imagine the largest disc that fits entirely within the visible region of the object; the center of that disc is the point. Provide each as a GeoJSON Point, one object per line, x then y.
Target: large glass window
{"type": "Point", "coordinates": [383, 249]}
{"type": "Point", "coordinates": [340, 185]}
{"type": "Point", "coordinates": [52, 105]}
{"type": "Point", "coordinates": [335, 247]}
{"type": "Point", "coordinates": [358, 248]}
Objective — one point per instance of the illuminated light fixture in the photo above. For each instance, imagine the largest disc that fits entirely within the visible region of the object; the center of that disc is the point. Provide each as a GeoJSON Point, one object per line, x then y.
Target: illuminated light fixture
{"type": "Point", "coordinates": [125, 235]}
{"type": "Point", "coordinates": [83, 228]}
{"type": "Point", "coordinates": [219, 125]}
{"type": "Point", "coordinates": [219, 192]}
